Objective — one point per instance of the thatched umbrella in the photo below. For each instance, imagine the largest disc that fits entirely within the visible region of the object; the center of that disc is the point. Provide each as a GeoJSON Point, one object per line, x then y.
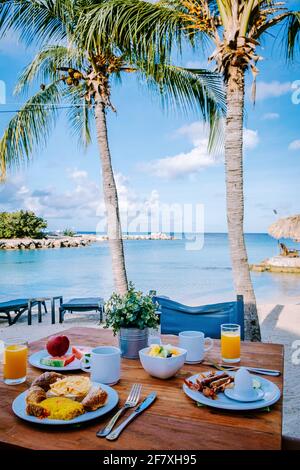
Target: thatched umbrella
{"type": "Point", "coordinates": [289, 227]}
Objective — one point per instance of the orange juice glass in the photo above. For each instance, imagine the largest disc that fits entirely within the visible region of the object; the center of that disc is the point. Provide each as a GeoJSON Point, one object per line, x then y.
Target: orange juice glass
{"type": "Point", "coordinates": [15, 361]}
{"type": "Point", "coordinates": [231, 342]}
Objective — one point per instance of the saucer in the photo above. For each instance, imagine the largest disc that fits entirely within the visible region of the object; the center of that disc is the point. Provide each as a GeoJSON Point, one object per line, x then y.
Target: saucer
{"type": "Point", "coordinates": [194, 362]}
{"type": "Point", "coordinates": [258, 394]}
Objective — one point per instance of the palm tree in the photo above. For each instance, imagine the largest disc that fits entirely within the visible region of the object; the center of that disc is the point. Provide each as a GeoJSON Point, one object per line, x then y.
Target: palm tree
{"type": "Point", "coordinates": [234, 29]}
{"type": "Point", "coordinates": [80, 74]}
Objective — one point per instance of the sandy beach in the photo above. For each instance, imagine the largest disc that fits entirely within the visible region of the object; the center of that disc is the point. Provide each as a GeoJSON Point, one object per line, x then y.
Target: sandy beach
{"type": "Point", "coordinates": [279, 323]}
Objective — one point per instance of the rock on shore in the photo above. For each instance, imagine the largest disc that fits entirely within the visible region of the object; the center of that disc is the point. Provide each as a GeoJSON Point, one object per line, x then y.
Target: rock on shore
{"type": "Point", "coordinates": [278, 264]}
{"type": "Point", "coordinates": [51, 242]}
{"type": "Point", "coordinates": [140, 236]}
{"type": "Point", "coordinates": [70, 242]}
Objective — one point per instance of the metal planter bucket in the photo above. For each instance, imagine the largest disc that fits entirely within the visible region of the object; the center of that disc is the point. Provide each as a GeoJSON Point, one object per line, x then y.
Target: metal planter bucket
{"type": "Point", "coordinates": [131, 340]}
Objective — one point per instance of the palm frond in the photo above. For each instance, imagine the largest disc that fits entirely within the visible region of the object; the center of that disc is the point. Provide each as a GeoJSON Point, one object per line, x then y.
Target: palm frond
{"type": "Point", "coordinates": [46, 64]}
{"type": "Point", "coordinates": [191, 91]}
{"type": "Point", "coordinates": [36, 21]}
{"type": "Point", "coordinates": [148, 28]}
{"type": "Point", "coordinates": [293, 35]}
{"type": "Point", "coordinates": [188, 90]}
{"type": "Point", "coordinates": [29, 129]}
{"type": "Point", "coordinates": [79, 114]}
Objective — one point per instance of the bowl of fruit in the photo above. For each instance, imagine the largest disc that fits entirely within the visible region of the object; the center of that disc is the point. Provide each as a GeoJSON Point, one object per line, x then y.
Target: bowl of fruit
{"type": "Point", "coordinates": [162, 361]}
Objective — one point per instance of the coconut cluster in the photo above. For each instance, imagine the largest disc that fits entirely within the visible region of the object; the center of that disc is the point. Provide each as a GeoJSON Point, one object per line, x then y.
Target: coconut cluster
{"type": "Point", "coordinates": [73, 78]}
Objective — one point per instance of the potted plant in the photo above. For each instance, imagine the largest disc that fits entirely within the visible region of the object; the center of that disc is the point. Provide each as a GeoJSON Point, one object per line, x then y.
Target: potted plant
{"type": "Point", "coordinates": [130, 316]}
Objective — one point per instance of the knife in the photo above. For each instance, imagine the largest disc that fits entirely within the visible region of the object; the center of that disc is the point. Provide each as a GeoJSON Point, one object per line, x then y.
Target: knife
{"type": "Point", "coordinates": [142, 407]}
{"type": "Point", "coordinates": [255, 370]}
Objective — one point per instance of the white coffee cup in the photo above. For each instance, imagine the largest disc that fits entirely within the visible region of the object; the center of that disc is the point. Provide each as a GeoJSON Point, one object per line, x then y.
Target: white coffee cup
{"type": "Point", "coordinates": [104, 364]}
{"type": "Point", "coordinates": [194, 343]}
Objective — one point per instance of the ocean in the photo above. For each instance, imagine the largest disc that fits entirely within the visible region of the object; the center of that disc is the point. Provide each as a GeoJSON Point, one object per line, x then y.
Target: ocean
{"type": "Point", "coordinates": [190, 276]}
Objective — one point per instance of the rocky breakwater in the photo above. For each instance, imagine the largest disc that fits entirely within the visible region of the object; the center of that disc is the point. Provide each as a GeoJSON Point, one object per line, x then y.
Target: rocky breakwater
{"type": "Point", "coordinates": [49, 242]}
{"type": "Point", "coordinates": [278, 264]}
{"type": "Point", "coordinates": [150, 236]}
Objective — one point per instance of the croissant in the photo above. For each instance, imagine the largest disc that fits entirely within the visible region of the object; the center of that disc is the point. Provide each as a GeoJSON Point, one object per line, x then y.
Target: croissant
{"type": "Point", "coordinates": [46, 379]}
{"type": "Point", "coordinates": [35, 395]}
{"type": "Point", "coordinates": [95, 398]}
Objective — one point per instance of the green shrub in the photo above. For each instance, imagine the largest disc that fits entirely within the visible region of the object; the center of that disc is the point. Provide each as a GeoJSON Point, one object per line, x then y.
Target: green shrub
{"type": "Point", "coordinates": [132, 310]}
{"type": "Point", "coordinates": [21, 224]}
{"type": "Point", "coordinates": [68, 232]}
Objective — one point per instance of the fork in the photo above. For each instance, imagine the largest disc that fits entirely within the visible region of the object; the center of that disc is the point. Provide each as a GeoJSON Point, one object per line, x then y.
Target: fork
{"type": "Point", "coordinates": [131, 402]}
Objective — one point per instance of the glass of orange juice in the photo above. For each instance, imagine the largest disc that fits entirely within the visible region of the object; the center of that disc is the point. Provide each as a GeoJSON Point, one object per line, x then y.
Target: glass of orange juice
{"type": "Point", "coordinates": [231, 342]}
{"type": "Point", "coordinates": [15, 361]}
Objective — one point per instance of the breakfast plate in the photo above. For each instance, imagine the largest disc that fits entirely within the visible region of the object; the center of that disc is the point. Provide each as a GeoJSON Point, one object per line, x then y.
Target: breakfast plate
{"type": "Point", "coordinates": [19, 408]}
{"type": "Point", "coordinates": [271, 395]}
{"type": "Point", "coordinates": [35, 360]}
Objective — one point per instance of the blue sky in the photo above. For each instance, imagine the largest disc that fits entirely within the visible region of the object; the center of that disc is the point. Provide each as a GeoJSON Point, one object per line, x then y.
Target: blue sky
{"type": "Point", "coordinates": [161, 158]}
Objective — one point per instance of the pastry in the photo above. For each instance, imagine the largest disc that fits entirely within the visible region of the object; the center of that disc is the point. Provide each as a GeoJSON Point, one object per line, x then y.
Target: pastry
{"type": "Point", "coordinates": [46, 379]}
{"type": "Point", "coordinates": [35, 394]}
{"type": "Point", "coordinates": [94, 399]}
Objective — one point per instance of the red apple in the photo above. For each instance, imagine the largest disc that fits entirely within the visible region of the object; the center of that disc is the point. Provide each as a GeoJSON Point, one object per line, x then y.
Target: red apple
{"type": "Point", "coordinates": [58, 345]}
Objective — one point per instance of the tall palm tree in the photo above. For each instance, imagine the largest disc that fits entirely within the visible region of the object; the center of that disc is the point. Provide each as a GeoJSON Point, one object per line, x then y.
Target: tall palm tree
{"type": "Point", "coordinates": [234, 29]}
{"type": "Point", "coordinates": [79, 75]}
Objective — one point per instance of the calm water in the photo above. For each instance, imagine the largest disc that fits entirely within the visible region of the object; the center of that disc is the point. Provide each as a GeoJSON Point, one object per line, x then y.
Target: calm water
{"type": "Point", "coordinates": [167, 266]}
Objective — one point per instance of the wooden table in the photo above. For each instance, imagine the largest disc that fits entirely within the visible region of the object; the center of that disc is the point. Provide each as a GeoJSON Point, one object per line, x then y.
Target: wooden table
{"type": "Point", "coordinates": [173, 422]}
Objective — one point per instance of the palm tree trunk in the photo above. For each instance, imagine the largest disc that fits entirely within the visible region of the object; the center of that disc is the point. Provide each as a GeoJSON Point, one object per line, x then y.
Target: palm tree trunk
{"type": "Point", "coordinates": [114, 230]}
{"type": "Point", "coordinates": [235, 199]}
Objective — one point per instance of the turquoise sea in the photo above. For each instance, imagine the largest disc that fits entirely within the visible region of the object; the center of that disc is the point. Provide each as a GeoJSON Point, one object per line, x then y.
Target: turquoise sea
{"type": "Point", "coordinates": [191, 276]}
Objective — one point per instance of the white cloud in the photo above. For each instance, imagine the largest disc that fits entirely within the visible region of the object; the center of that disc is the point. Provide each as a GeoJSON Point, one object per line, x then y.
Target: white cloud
{"type": "Point", "coordinates": [295, 145]}
{"type": "Point", "coordinates": [198, 158]}
{"type": "Point", "coordinates": [83, 200]}
{"type": "Point", "coordinates": [78, 175]}
{"type": "Point", "coordinates": [196, 132]}
{"type": "Point", "coordinates": [184, 163]}
{"type": "Point", "coordinates": [274, 89]}
{"type": "Point", "coordinates": [181, 164]}
{"type": "Point", "coordinates": [251, 138]}
{"type": "Point", "coordinates": [271, 116]}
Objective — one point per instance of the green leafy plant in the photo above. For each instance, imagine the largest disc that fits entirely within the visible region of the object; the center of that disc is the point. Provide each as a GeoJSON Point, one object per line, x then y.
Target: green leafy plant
{"type": "Point", "coordinates": [68, 232]}
{"type": "Point", "coordinates": [132, 310]}
{"type": "Point", "coordinates": [21, 224]}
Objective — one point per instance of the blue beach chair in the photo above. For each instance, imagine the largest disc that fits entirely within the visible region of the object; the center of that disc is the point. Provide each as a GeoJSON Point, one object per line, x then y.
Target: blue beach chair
{"type": "Point", "coordinates": [176, 317]}
{"type": "Point", "coordinates": [82, 305]}
{"type": "Point", "coordinates": [18, 307]}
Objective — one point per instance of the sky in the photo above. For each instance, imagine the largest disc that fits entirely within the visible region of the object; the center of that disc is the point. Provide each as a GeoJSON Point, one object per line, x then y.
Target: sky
{"type": "Point", "coordinates": [160, 158]}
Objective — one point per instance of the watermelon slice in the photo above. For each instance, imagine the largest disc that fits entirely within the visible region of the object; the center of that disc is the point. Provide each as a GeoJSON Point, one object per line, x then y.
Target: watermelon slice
{"type": "Point", "coordinates": [79, 352]}
{"type": "Point", "coordinates": [60, 361]}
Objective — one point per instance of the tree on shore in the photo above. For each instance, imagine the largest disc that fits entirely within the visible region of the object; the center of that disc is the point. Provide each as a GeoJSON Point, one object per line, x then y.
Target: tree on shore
{"type": "Point", "coordinates": [21, 224]}
{"type": "Point", "coordinates": [234, 29]}
{"type": "Point", "coordinates": [75, 75]}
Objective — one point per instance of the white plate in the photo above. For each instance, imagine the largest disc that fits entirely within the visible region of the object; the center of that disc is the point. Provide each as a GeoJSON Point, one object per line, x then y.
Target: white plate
{"type": "Point", "coordinates": [35, 360]}
{"type": "Point", "coordinates": [19, 408]}
{"type": "Point", "coordinates": [271, 396]}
